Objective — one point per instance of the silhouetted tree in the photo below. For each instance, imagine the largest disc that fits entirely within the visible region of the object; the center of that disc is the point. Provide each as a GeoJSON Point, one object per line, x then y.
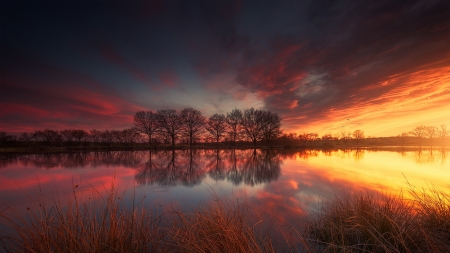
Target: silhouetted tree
{"type": "Point", "coordinates": [346, 136]}
{"type": "Point", "coordinates": [327, 137]}
{"type": "Point", "coordinates": [79, 135]}
{"type": "Point", "coordinates": [47, 136]}
{"type": "Point", "coordinates": [129, 135]}
{"type": "Point", "coordinates": [303, 138]}
{"type": "Point", "coordinates": [216, 126]}
{"type": "Point", "coordinates": [271, 125]}
{"type": "Point", "coordinates": [252, 124]}
{"type": "Point", "coordinates": [312, 137]}
{"type": "Point", "coordinates": [193, 123]}
{"type": "Point", "coordinates": [146, 122]}
{"type": "Point", "coordinates": [107, 137]}
{"type": "Point", "coordinates": [95, 136]}
{"type": "Point", "coordinates": [432, 131]}
{"type": "Point", "coordinates": [67, 136]}
{"type": "Point", "coordinates": [117, 136]}
{"type": "Point", "coordinates": [358, 135]}
{"type": "Point", "coordinates": [233, 120]}
{"type": "Point", "coordinates": [419, 132]}
{"type": "Point", "coordinates": [443, 132]}
{"type": "Point", "coordinates": [171, 123]}
{"type": "Point", "coordinates": [25, 137]}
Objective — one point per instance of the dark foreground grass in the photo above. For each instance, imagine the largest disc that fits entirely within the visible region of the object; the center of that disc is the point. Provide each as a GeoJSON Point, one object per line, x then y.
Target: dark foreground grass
{"type": "Point", "coordinates": [362, 223]}
{"type": "Point", "coordinates": [90, 222]}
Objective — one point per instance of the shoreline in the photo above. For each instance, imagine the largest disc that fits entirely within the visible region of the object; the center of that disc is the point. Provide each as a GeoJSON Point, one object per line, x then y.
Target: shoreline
{"type": "Point", "coordinates": [70, 149]}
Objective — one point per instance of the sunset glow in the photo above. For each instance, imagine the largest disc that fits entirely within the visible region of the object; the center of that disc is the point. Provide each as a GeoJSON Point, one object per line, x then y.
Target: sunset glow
{"type": "Point", "coordinates": [288, 185]}
{"type": "Point", "coordinates": [324, 67]}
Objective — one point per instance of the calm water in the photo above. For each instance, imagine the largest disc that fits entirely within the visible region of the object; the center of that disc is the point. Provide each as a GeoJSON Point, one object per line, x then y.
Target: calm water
{"type": "Point", "coordinates": [285, 183]}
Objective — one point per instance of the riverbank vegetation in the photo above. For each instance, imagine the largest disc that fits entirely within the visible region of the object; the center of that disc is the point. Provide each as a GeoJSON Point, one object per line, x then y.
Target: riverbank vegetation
{"type": "Point", "coordinates": [188, 128]}
{"type": "Point", "coordinates": [86, 221]}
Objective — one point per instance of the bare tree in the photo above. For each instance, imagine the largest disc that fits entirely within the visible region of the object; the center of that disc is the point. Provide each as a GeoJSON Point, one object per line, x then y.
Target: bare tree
{"type": "Point", "coordinates": [146, 122]}
{"type": "Point", "coordinates": [327, 137]}
{"type": "Point", "coordinates": [67, 135]}
{"type": "Point", "coordinates": [216, 126]}
{"type": "Point", "coordinates": [419, 132]}
{"type": "Point", "coordinates": [26, 137]}
{"type": "Point", "coordinates": [117, 136]}
{"type": "Point", "coordinates": [443, 132]}
{"type": "Point", "coordinates": [252, 124]}
{"type": "Point", "coordinates": [271, 126]}
{"type": "Point", "coordinates": [107, 137]}
{"type": "Point", "coordinates": [171, 123]}
{"type": "Point", "coordinates": [233, 120]}
{"type": "Point", "coordinates": [129, 136]}
{"type": "Point", "coordinates": [260, 124]}
{"type": "Point", "coordinates": [48, 136]}
{"type": "Point", "coordinates": [312, 137]}
{"type": "Point", "coordinates": [346, 136]}
{"type": "Point", "coordinates": [358, 135]}
{"type": "Point", "coordinates": [95, 136]}
{"type": "Point", "coordinates": [193, 123]}
{"type": "Point", "coordinates": [432, 131]}
{"type": "Point", "coordinates": [79, 135]}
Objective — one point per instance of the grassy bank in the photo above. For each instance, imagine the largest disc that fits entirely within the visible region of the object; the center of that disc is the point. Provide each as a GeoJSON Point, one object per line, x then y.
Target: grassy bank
{"type": "Point", "coordinates": [90, 222]}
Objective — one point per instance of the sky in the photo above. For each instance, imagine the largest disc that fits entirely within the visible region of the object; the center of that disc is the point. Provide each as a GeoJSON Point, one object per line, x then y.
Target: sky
{"type": "Point", "coordinates": [324, 66]}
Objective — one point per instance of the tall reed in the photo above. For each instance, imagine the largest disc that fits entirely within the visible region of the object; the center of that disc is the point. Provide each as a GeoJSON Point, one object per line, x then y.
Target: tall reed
{"type": "Point", "coordinates": [90, 222]}
{"type": "Point", "coordinates": [365, 223]}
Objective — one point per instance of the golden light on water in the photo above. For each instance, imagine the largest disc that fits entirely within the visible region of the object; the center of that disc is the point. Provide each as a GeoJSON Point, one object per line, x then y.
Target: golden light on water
{"type": "Point", "coordinates": [384, 171]}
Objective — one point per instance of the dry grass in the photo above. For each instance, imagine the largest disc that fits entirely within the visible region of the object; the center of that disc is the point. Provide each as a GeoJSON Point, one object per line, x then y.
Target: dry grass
{"type": "Point", "coordinates": [364, 223]}
{"type": "Point", "coordinates": [81, 222]}
{"type": "Point", "coordinates": [90, 222]}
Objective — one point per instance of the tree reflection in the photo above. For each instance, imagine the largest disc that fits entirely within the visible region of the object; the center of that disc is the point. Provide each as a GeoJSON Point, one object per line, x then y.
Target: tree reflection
{"type": "Point", "coordinates": [443, 154]}
{"type": "Point", "coordinates": [261, 166]}
{"type": "Point", "coordinates": [216, 167]}
{"type": "Point", "coordinates": [359, 154]}
{"type": "Point", "coordinates": [192, 173]}
{"type": "Point", "coordinates": [190, 167]}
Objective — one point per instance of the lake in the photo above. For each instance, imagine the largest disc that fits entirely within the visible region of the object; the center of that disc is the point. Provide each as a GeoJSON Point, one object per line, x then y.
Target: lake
{"type": "Point", "coordinates": [285, 183]}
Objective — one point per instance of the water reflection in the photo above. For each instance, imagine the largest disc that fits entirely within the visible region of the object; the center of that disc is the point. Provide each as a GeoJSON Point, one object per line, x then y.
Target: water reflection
{"type": "Point", "coordinates": [247, 166]}
{"type": "Point", "coordinates": [286, 183]}
{"type": "Point", "coordinates": [190, 167]}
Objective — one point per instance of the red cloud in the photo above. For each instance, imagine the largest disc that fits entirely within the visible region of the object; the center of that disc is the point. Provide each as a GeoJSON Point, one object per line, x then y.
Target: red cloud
{"type": "Point", "coordinates": [17, 109]}
{"type": "Point", "coordinates": [47, 104]}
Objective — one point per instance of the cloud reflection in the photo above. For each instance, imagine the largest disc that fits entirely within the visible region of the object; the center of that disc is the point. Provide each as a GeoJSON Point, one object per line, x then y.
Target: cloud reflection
{"type": "Point", "coordinates": [285, 183]}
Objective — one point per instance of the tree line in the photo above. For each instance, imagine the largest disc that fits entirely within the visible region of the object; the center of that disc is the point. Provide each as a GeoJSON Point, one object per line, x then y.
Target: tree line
{"type": "Point", "coordinates": [430, 132]}
{"type": "Point", "coordinates": [190, 126]}
{"type": "Point", "coordinates": [71, 137]}
{"type": "Point", "coordinates": [167, 127]}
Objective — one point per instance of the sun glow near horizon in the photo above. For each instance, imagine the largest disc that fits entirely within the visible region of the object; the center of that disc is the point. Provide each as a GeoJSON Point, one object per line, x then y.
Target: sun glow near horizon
{"type": "Point", "coordinates": [421, 98]}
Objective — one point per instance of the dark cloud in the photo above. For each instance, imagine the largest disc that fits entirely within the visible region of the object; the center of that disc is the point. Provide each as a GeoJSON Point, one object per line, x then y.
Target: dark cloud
{"type": "Point", "coordinates": [352, 45]}
{"type": "Point", "coordinates": [305, 60]}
